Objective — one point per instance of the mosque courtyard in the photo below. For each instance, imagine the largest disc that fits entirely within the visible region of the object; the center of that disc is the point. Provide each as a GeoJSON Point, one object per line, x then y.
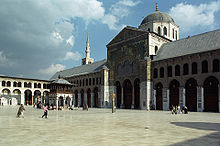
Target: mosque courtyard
{"type": "Point", "coordinates": [101, 127]}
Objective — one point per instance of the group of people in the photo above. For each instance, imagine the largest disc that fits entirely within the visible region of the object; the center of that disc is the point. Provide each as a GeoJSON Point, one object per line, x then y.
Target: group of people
{"type": "Point", "coordinates": [20, 113]}
{"type": "Point", "coordinates": [177, 109]}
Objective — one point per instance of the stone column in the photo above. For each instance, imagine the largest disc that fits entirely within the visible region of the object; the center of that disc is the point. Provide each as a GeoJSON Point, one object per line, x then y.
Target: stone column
{"type": "Point", "coordinates": [32, 98]}
{"type": "Point", "coordinates": [218, 97]}
{"type": "Point", "coordinates": [79, 99]}
{"type": "Point", "coordinates": [71, 101]}
{"type": "Point", "coordinates": [155, 99]}
{"type": "Point", "coordinates": [133, 96]}
{"type": "Point", "coordinates": [181, 95]}
{"type": "Point", "coordinates": [184, 96]}
{"type": "Point", "coordinates": [168, 99]}
{"type": "Point", "coordinates": [200, 98]}
{"type": "Point", "coordinates": [85, 98]}
{"type": "Point", "coordinates": [22, 98]}
{"type": "Point", "coordinates": [92, 99]}
{"type": "Point", "coordinates": [57, 102]}
{"type": "Point", "coordinates": [122, 98]}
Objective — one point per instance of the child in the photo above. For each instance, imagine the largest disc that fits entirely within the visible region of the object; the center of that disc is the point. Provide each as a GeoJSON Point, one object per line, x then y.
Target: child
{"type": "Point", "coordinates": [45, 112]}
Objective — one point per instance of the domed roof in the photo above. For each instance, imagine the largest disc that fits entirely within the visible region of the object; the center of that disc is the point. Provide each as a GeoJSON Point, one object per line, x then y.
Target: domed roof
{"type": "Point", "coordinates": [157, 16]}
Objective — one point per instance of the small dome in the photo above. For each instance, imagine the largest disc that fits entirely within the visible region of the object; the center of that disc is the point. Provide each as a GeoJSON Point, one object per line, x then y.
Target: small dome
{"type": "Point", "coordinates": [61, 81]}
{"type": "Point", "coordinates": [157, 16]}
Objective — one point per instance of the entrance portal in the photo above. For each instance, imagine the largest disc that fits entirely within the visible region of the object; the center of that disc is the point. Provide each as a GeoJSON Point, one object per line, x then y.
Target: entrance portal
{"type": "Point", "coordinates": [89, 98]}
{"type": "Point", "coordinates": [159, 97]}
{"type": "Point", "coordinates": [96, 102]}
{"type": "Point", "coordinates": [191, 94]}
{"type": "Point", "coordinates": [127, 94]}
{"type": "Point", "coordinates": [118, 93]}
{"type": "Point", "coordinates": [174, 93]}
{"type": "Point", "coordinates": [211, 94]}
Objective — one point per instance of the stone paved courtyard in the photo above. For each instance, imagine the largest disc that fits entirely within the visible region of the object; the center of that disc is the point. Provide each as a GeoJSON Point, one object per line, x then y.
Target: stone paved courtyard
{"type": "Point", "coordinates": [101, 127]}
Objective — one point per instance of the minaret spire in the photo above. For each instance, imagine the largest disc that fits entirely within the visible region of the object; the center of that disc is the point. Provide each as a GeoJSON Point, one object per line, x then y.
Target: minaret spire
{"type": "Point", "coordinates": [87, 59]}
{"type": "Point", "coordinates": [157, 7]}
{"type": "Point", "coordinates": [87, 47]}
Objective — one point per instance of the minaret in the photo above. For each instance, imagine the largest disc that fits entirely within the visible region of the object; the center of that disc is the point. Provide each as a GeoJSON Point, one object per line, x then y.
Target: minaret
{"type": "Point", "coordinates": [157, 7]}
{"type": "Point", "coordinates": [87, 60]}
{"type": "Point", "coordinates": [87, 47]}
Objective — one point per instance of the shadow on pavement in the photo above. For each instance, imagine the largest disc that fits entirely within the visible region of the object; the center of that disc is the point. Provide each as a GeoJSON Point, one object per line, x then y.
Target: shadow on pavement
{"type": "Point", "coordinates": [208, 140]}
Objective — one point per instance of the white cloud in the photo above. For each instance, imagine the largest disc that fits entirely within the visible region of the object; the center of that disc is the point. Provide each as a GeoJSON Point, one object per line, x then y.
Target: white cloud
{"type": "Point", "coordinates": [2, 57]}
{"type": "Point", "coordinates": [74, 56]}
{"type": "Point", "coordinates": [118, 11]}
{"type": "Point", "coordinates": [191, 16]}
{"type": "Point", "coordinates": [70, 40]}
{"type": "Point", "coordinates": [52, 69]}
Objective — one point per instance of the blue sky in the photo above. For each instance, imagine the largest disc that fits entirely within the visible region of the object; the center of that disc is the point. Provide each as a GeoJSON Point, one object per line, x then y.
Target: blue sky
{"type": "Point", "coordinates": [41, 37]}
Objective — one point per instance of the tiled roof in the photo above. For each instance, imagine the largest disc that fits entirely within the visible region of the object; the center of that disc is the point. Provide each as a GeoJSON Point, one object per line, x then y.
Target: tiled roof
{"type": "Point", "coordinates": [80, 70]}
{"type": "Point", "coordinates": [208, 41]}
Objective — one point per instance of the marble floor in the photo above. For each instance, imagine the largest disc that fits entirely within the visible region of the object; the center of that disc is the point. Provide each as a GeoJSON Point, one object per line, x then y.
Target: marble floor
{"type": "Point", "coordinates": [101, 127]}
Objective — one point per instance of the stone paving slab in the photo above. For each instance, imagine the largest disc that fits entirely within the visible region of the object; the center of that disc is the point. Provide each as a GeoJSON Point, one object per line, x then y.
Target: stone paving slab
{"type": "Point", "coordinates": [101, 127]}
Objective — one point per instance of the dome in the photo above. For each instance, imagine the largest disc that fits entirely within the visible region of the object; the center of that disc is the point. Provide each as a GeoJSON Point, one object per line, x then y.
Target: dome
{"type": "Point", "coordinates": [157, 16]}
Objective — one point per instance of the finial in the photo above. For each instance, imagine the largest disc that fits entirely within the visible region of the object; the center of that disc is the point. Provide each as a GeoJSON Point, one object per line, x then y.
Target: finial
{"type": "Point", "coordinates": [157, 7]}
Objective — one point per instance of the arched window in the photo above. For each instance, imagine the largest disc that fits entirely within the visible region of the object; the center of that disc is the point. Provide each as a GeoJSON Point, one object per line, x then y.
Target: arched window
{"type": "Point", "coordinates": [159, 31]}
{"type": "Point", "coordinates": [45, 86]}
{"type": "Point", "coordinates": [156, 49]}
{"type": "Point", "coordinates": [8, 84]}
{"type": "Point", "coordinates": [155, 73]}
{"type": "Point", "coordinates": [90, 81]}
{"type": "Point", "coordinates": [83, 82]}
{"type": "Point", "coordinates": [25, 84]}
{"type": "Point", "coordinates": [29, 85]}
{"type": "Point", "coordinates": [177, 70]}
{"type": "Point", "coordinates": [194, 68]}
{"type": "Point", "coordinates": [165, 30]}
{"type": "Point", "coordinates": [148, 29]}
{"type": "Point", "coordinates": [35, 85]}
{"type": "Point", "coordinates": [19, 84]}
{"type": "Point", "coordinates": [169, 71]}
{"type": "Point", "coordinates": [86, 82]}
{"type": "Point", "coordinates": [215, 65]}
{"type": "Point", "coordinates": [173, 33]}
{"type": "Point", "coordinates": [39, 85]}
{"type": "Point", "coordinates": [15, 84]}
{"type": "Point", "coordinates": [161, 72]}
{"type": "Point", "coordinates": [185, 69]}
{"type": "Point", "coordinates": [204, 66]}
{"type": "Point", "coordinates": [93, 81]}
{"type": "Point", "coordinates": [3, 83]}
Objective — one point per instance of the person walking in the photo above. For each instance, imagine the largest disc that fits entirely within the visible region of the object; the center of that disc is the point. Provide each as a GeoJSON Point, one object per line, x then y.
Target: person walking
{"type": "Point", "coordinates": [20, 112]}
{"type": "Point", "coordinates": [45, 112]}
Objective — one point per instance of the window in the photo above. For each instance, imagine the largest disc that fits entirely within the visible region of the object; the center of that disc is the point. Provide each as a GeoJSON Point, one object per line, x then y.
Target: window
{"type": "Point", "coordinates": [90, 81]}
{"type": "Point", "coordinates": [100, 80]}
{"type": "Point", "coordinates": [156, 48]}
{"type": "Point", "coordinates": [86, 82]}
{"type": "Point", "coordinates": [215, 64]}
{"type": "Point", "coordinates": [35, 85]}
{"type": "Point", "coordinates": [97, 81]}
{"type": "Point", "coordinates": [44, 86]}
{"type": "Point", "coordinates": [173, 33]}
{"type": "Point", "coordinates": [25, 84]}
{"type": "Point", "coordinates": [161, 72]}
{"type": "Point", "coordinates": [194, 68]}
{"type": "Point", "coordinates": [3, 83]}
{"type": "Point", "coordinates": [159, 31]}
{"type": "Point", "coordinates": [29, 85]}
{"type": "Point", "coordinates": [155, 73]}
{"type": "Point", "coordinates": [148, 29]}
{"type": "Point", "coordinates": [8, 84]}
{"type": "Point", "coordinates": [93, 81]}
{"type": "Point", "coordinates": [165, 31]}
{"type": "Point", "coordinates": [177, 70]}
{"type": "Point", "coordinates": [19, 84]}
{"type": "Point", "coordinates": [83, 82]}
{"type": "Point", "coordinates": [185, 69]}
{"type": "Point", "coordinates": [15, 84]}
{"type": "Point", "coordinates": [204, 66]}
{"type": "Point", "coordinates": [169, 71]}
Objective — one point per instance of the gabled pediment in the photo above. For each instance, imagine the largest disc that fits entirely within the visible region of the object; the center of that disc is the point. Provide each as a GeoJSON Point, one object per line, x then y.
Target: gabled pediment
{"type": "Point", "coordinates": [125, 34]}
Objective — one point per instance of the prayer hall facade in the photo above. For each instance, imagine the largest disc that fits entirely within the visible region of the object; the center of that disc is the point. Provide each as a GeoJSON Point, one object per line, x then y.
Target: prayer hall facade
{"type": "Point", "coordinates": [148, 68]}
